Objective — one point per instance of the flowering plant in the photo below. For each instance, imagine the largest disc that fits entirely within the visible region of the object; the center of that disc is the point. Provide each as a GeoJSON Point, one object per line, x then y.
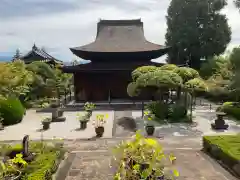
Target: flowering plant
{"type": "Point", "coordinates": [89, 106]}
{"type": "Point", "coordinates": [148, 116]}
{"type": "Point", "coordinates": [100, 120]}
{"type": "Point", "coordinates": [83, 117]}
{"type": "Point", "coordinates": [11, 168]}
{"type": "Point", "coordinates": [143, 158]}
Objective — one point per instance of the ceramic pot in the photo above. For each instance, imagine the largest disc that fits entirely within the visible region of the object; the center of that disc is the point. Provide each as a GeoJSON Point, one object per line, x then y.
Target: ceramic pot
{"type": "Point", "coordinates": [99, 131]}
{"type": "Point", "coordinates": [46, 125]}
{"type": "Point", "coordinates": [150, 130]}
{"type": "Point", "coordinates": [83, 124]}
{"type": "Point", "coordinates": [1, 126]}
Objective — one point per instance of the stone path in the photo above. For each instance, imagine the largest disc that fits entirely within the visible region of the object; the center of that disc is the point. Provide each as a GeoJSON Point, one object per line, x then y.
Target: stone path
{"type": "Point", "coordinates": [93, 160]}
{"type": "Point", "coordinates": [31, 125]}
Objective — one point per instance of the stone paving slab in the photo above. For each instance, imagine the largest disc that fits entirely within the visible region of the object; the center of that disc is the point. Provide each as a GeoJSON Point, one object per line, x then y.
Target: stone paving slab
{"type": "Point", "coordinates": [31, 125]}
{"type": "Point", "coordinates": [192, 165]}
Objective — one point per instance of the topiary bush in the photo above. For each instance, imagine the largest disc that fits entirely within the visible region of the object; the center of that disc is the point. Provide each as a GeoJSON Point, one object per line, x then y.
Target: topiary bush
{"type": "Point", "coordinates": [159, 109]}
{"type": "Point", "coordinates": [231, 109]}
{"type": "Point", "coordinates": [177, 112]}
{"type": "Point", "coordinates": [12, 111]}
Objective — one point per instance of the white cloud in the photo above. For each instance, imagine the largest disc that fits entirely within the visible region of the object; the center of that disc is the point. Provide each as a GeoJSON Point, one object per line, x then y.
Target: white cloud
{"type": "Point", "coordinates": [63, 29]}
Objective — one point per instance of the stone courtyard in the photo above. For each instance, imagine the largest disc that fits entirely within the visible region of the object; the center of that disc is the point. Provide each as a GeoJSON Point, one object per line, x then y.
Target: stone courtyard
{"type": "Point", "coordinates": [91, 159]}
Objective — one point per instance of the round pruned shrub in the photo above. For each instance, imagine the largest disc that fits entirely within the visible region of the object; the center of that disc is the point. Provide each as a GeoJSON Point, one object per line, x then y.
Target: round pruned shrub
{"type": "Point", "coordinates": [12, 111]}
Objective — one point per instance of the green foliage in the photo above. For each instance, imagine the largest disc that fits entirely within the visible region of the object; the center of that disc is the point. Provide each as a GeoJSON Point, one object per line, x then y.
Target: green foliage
{"type": "Point", "coordinates": [186, 73]}
{"type": "Point", "coordinates": [45, 164]}
{"type": "Point", "coordinates": [142, 70]}
{"type": "Point", "coordinates": [169, 67]}
{"type": "Point", "coordinates": [159, 109]}
{"type": "Point", "coordinates": [88, 106]}
{"type": "Point", "coordinates": [48, 81]}
{"type": "Point", "coordinates": [237, 3]}
{"type": "Point", "coordinates": [159, 79]}
{"type": "Point", "coordinates": [132, 89]}
{"type": "Point", "coordinates": [217, 65]}
{"type": "Point", "coordinates": [12, 111]}
{"type": "Point", "coordinates": [132, 155]}
{"type": "Point", "coordinates": [14, 79]}
{"type": "Point", "coordinates": [231, 109]}
{"type": "Point", "coordinates": [196, 29]}
{"type": "Point", "coordinates": [229, 148]}
{"type": "Point", "coordinates": [195, 84]}
{"type": "Point", "coordinates": [234, 58]}
{"type": "Point", "coordinates": [177, 112]}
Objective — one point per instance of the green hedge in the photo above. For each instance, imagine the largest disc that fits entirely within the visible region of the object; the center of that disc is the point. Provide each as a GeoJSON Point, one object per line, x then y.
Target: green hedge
{"type": "Point", "coordinates": [225, 148]}
{"type": "Point", "coordinates": [12, 111]}
{"type": "Point", "coordinates": [231, 109]}
{"type": "Point", "coordinates": [47, 160]}
{"type": "Point", "coordinates": [172, 113]}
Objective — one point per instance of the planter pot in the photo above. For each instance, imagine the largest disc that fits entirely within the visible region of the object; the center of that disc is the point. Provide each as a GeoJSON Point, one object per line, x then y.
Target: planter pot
{"type": "Point", "coordinates": [55, 113]}
{"type": "Point", "coordinates": [99, 131]}
{"type": "Point", "coordinates": [1, 127]}
{"type": "Point", "coordinates": [144, 167]}
{"type": "Point", "coordinates": [16, 176]}
{"type": "Point", "coordinates": [150, 130]}
{"type": "Point", "coordinates": [46, 125]}
{"type": "Point", "coordinates": [55, 103]}
{"type": "Point", "coordinates": [83, 124]}
{"type": "Point", "coordinates": [90, 112]}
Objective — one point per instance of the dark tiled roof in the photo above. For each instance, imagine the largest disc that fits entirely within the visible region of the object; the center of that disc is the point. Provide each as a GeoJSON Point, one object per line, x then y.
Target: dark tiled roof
{"type": "Point", "coordinates": [40, 52]}
{"type": "Point", "coordinates": [119, 36]}
{"type": "Point", "coordinates": [88, 67]}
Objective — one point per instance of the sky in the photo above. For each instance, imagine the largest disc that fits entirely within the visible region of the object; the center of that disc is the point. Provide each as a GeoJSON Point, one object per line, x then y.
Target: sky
{"type": "Point", "coordinates": [58, 25]}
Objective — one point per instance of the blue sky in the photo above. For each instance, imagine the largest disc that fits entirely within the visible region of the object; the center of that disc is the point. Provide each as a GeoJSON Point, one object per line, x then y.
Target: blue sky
{"type": "Point", "coordinates": [60, 24]}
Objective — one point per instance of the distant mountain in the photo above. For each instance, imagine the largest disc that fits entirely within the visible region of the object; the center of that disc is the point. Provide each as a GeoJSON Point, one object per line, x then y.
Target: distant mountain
{"type": "Point", "coordinates": [5, 58]}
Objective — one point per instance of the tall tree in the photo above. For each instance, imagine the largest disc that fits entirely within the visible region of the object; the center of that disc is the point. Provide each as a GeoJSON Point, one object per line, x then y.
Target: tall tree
{"type": "Point", "coordinates": [196, 30]}
{"type": "Point", "coordinates": [17, 55]}
{"type": "Point", "coordinates": [237, 3]}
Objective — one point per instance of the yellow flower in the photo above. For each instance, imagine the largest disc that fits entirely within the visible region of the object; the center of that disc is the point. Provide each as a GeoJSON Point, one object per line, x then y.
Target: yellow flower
{"type": "Point", "coordinates": [151, 142]}
{"type": "Point", "coordinates": [172, 158]}
{"type": "Point", "coordinates": [106, 116]}
{"type": "Point", "coordinates": [146, 113]}
{"type": "Point", "coordinates": [175, 173]}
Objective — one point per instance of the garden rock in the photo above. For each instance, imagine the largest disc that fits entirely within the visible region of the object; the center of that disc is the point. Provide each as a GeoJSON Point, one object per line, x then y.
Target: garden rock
{"type": "Point", "coordinates": [127, 123]}
{"type": "Point", "coordinates": [236, 169]}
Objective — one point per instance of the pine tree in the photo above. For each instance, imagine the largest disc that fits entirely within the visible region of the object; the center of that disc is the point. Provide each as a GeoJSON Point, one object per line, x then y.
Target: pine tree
{"type": "Point", "coordinates": [196, 29]}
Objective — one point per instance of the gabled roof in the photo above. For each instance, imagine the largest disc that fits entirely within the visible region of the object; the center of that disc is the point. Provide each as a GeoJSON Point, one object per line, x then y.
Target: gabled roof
{"type": "Point", "coordinates": [118, 36]}
{"type": "Point", "coordinates": [38, 54]}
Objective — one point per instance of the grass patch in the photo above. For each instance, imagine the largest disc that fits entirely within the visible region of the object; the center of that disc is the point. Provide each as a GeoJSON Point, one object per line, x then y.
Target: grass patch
{"type": "Point", "coordinates": [225, 148]}
{"type": "Point", "coordinates": [45, 164]}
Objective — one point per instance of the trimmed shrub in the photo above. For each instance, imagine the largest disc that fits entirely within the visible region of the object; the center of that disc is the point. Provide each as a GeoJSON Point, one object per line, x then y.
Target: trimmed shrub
{"type": "Point", "coordinates": [177, 112]}
{"type": "Point", "coordinates": [231, 109]}
{"type": "Point", "coordinates": [159, 109]}
{"type": "Point", "coordinates": [12, 111]}
{"type": "Point", "coordinates": [224, 148]}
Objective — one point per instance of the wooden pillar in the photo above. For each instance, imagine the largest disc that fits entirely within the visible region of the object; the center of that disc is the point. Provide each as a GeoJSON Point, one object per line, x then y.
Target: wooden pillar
{"type": "Point", "coordinates": [109, 96]}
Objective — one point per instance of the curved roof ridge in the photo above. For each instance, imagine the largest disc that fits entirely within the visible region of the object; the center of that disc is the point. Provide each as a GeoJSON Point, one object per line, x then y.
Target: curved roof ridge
{"type": "Point", "coordinates": [120, 22]}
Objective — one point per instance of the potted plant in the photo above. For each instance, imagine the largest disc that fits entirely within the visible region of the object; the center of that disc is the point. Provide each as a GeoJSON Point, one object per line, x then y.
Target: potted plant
{"type": "Point", "coordinates": [143, 158]}
{"type": "Point", "coordinates": [11, 170]}
{"type": "Point", "coordinates": [83, 119]}
{"type": "Point", "coordinates": [99, 124]}
{"type": "Point", "coordinates": [55, 103]}
{"type": "Point", "coordinates": [46, 123]}
{"type": "Point", "coordinates": [149, 126]}
{"type": "Point", "coordinates": [89, 107]}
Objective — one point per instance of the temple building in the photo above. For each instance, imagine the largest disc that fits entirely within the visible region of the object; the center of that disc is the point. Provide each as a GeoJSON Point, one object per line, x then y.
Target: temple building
{"type": "Point", "coordinates": [37, 54]}
{"type": "Point", "coordinates": [119, 48]}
